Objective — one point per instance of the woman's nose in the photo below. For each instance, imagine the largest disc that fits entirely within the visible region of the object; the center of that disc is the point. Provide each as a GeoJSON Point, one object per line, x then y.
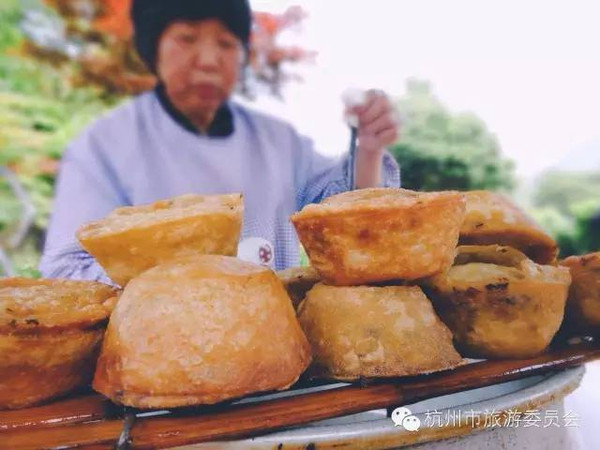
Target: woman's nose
{"type": "Point", "coordinates": [207, 57]}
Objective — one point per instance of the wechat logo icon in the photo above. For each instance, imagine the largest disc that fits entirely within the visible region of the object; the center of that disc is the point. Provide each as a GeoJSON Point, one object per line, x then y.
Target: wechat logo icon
{"type": "Point", "coordinates": [402, 417]}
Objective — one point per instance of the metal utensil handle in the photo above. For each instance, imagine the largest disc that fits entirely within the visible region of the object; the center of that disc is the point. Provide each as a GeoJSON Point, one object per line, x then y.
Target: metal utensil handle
{"type": "Point", "coordinates": [352, 157]}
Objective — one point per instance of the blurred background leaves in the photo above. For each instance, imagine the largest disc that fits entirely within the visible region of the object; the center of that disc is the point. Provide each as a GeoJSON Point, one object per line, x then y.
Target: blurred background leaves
{"type": "Point", "coordinates": [40, 112]}
{"type": "Point", "coordinates": [440, 150]}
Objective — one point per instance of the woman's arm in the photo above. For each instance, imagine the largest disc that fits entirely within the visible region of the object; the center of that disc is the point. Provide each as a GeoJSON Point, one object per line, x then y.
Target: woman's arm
{"type": "Point", "coordinates": [87, 189]}
{"type": "Point", "coordinates": [318, 177]}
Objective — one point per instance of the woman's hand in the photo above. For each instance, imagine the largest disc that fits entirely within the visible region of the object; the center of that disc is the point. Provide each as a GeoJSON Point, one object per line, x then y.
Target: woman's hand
{"type": "Point", "coordinates": [378, 128]}
{"type": "Point", "coordinates": [377, 123]}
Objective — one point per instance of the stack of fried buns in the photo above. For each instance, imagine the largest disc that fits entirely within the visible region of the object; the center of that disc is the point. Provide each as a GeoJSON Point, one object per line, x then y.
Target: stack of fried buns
{"type": "Point", "coordinates": [367, 317]}
{"type": "Point", "coordinates": [504, 296]}
{"type": "Point", "coordinates": [194, 324]}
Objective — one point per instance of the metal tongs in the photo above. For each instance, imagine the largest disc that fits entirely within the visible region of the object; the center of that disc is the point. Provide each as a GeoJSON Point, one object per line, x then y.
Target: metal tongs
{"type": "Point", "coordinates": [353, 98]}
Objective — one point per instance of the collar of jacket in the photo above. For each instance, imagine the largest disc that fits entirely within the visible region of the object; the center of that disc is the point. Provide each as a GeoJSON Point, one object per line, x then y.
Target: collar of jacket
{"type": "Point", "coordinates": [221, 126]}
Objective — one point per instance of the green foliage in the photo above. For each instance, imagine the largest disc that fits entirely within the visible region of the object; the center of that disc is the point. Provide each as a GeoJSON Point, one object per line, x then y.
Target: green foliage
{"type": "Point", "coordinates": [583, 238]}
{"type": "Point", "coordinates": [566, 204]}
{"type": "Point", "coordinates": [441, 150]}
{"type": "Point", "coordinates": [25, 261]}
{"type": "Point", "coordinates": [9, 16]}
{"type": "Point", "coordinates": [9, 208]}
{"type": "Point", "coordinates": [564, 190]}
{"type": "Point", "coordinates": [40, 112]}
{"type": "Point", "coordinates": [429, 173]}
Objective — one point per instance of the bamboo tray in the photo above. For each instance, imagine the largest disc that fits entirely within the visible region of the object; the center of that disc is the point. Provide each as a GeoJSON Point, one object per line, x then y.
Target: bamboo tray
{"type": "Point", "coordinates": [91, 421]}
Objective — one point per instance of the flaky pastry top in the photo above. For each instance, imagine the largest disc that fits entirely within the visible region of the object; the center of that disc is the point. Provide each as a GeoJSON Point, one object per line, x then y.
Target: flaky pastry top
{"type": "Point", "coordinates": [28, 304]}
{"type": "Point", "coordinates": [375, 199]}
{"type": "Point", "coordinates": [162, 211]}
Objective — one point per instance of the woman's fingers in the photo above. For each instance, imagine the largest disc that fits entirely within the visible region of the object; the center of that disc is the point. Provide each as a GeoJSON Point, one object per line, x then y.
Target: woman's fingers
{"type": "Point", "coordinates": [380, 124]}
{"type": "Point", "coordinates": [376, 106]}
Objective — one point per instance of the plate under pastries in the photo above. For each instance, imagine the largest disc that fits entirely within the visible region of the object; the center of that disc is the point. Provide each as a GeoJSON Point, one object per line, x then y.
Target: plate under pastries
{"type": "Point", "coordinates": [199, 331]}
{"type": "Point", "coordinates": [582, 315]}
{"type": "Point", "coordinates": [498, 303]}
{"type": "Point", "coordinates": [298, 281]}
{"type": "Point", "coordinates": [492, 219]}
{"type": "Point", "coordinates": [50, 335]}
{"type": "Point", "coordinates": [380, 234]}
{"type": "Point", "coordinates": [367, 331]}
{"type": "Point", "coordinates": [135, 238]}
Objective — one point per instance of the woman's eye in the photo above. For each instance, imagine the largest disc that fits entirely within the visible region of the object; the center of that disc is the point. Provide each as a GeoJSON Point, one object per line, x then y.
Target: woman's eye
{"type": "Point", "coordinates": [227, 44]}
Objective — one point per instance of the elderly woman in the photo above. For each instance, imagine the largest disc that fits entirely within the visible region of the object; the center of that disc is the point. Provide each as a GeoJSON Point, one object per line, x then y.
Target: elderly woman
{"type": "Point", "coordinates": [188, 136]}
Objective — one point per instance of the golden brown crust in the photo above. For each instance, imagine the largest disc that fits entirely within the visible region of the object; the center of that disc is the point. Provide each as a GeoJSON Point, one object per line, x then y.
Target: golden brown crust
{"type": "Point", "coordinates": [50, 334]}
{"type": "Point", "coordinates": [498, 303]}
{"type": "Point", "coordinates": [493, 219]}
{"type": "Point", "coordinates": [374, 332]}
{"type": "Point", "coordinates": [379, 234]}
{"type": "Point", "coordinates": [582, 314]}
{"type": "Point", "coordinates": [37, 367]}
{"type": "Point", "coordinates": [27, 305]}
{"type": "Point", "coordinates": [132, 239]}
{"type": "Point", "coordinates": [198, 331]}
{"type": "Point", "coordinates": [298, 281]}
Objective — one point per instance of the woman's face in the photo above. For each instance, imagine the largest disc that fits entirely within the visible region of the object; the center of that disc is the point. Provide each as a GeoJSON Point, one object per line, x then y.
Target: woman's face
{"type": "Point", "coordinates": [199, 63]}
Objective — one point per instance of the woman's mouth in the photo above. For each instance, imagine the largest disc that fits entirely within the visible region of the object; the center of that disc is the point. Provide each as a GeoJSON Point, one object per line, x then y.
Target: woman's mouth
{"type": "Point", "coordinates": [207, 91]}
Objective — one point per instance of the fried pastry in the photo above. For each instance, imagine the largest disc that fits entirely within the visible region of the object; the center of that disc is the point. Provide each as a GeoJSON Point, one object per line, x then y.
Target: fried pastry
{"type": "Point", "coordinates": [50, 335]}
{"type": "Point", "coordinates": [380, 234]}
{"type": "Point", "coordinates": [132, 239]}
{"type": "Point", "coordinates": [199, 331]}
{"type": "Point", "coordinates": [298, 281]}
{"type": "Point", "coordinates": [367, 331]}
{"type": "Point", "coordinates": [492, 219]}
{"type": "Point", "coordinates": [582, 314]}
{"type": "Point", "coordinates": [498, 303]}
